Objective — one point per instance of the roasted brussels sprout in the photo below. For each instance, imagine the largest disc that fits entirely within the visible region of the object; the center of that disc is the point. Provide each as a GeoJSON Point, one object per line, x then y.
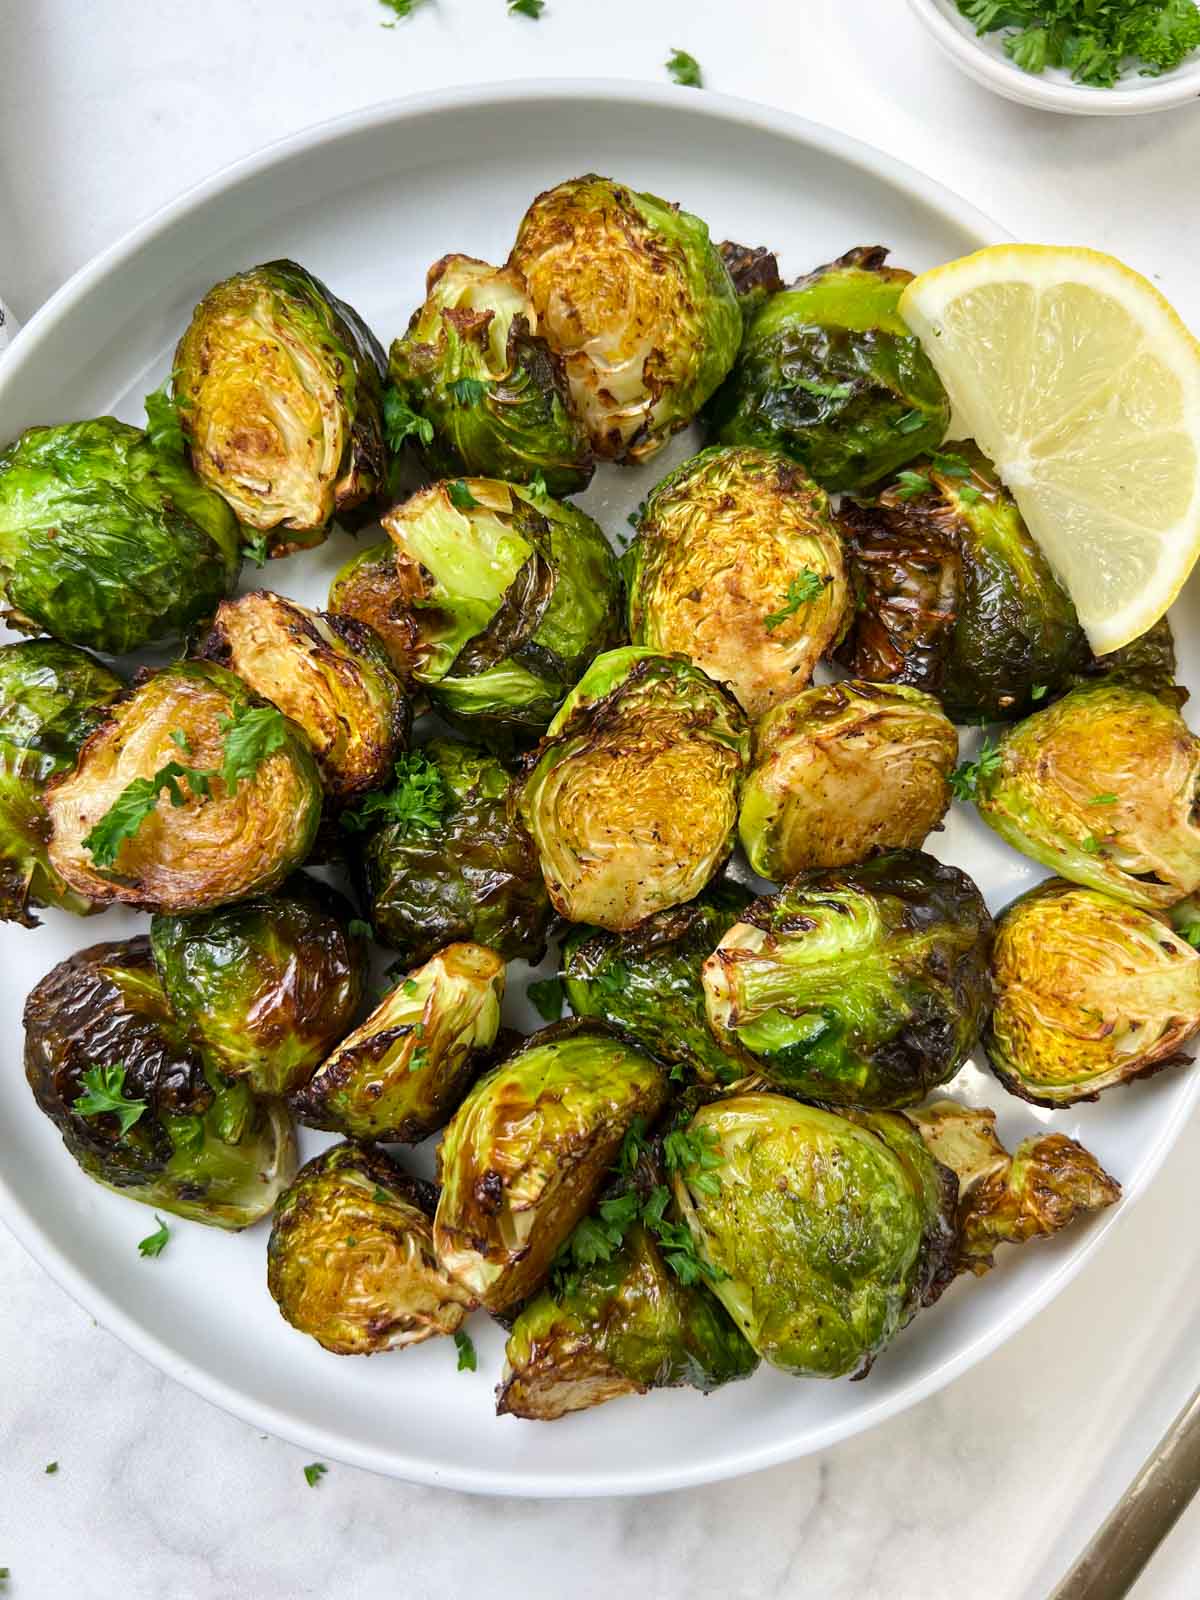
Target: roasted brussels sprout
{"type": "Point", "coordinates": [755, 273]}
{"type": "Point", "coordinates": [475, 367]}
{"type": "Point", "coordinates": [1102, 788]}
{"type": "Point", "coordinates": [351, 1259]}
{"type": "Point", "coordinates": [444, 862]}
{"type": "Point", "coordinates": [279, 387]}
{"type": "Point", "coordinates": [267, 986]}
{"type": "Point", "coordinates": [633, 296]}
{"type": "Point", "coordinates": [861, 986]}
{"type": "Point", "coordinates": [1009, 1199]}
{"type": "Point", "coordinates": [824, 1233]}
{"type": "Point", "coordinates": [829, 374]}
{"type": "Point", "coordinates": [1148, 663]}
{"type": "Point", "coordinates": [114, 1070]}
{"type": "Point", "coordinates": [625, 1326]}
{"type": "Point", "coordinates": [369, 588]}
{"type": "Point", "coordinates": [401, 1074]}
{"type": "Point", "coordinates": [330, 674]}
{"type": "Point", "coordinates": [955, 597]}
{"type": "Point", "coordinates": [843, 770]}
{"type": "Point", "coordinates": [190, 795]}
{"type": "Point", "coordinates": [525, 1153]}
{"type": "Point", "coordinates": [107, 541]}
{"type": "Point", "coordinates": [646, 983]}
{"type": "Point", "coordinates": [51, 697]}
{"type": "Point", "coordinates": [512, 594]}
{"type": "Point", "coordinates": [738, 564]}
{"type": "Point", "coordinates": [1090, 992]}
{"type": "Point", "coordinates": [632, 795]}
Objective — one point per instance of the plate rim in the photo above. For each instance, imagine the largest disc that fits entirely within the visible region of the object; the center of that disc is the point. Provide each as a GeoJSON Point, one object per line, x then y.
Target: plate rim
{"type": "Point", "coordinates": [18, 1216]}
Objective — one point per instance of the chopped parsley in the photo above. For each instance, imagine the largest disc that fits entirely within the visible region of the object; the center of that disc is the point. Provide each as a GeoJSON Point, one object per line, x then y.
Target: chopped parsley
{"type": "Point", "coordinates": [1091, 844]}
{"type": "Point", "coordinates": [104, 1091]}
{"type": "Point", "coordinates": [358, 929]}
{"type": "Point", "coordinates": [970, 494]}
{"type": "Point", "coordinates": [467, 391]}
{"type": "Point", "coordinates": [1103, 800]}
{"type": "Point", "coordinates": [805, 587]}
{"type": "Point", "coordinates": [51, 1468]}
{"type": "Point", "coordinates": [400, 421]}
{"type": "Point", "coordinates": [1039, 691]}
{"type": "Point", "coordinates": [823, 391]}
{"type": "Point", "coordinates": [547, 995]}
{"type": "Point", "coordinates": [314, 1472]}
{"type": "Point", "coordinates": [912, 484]}
{"type": "Point", "coordinates": [419, 1058]}
{"type": "Point", "coordinates": [417, 801]}
{"type": "Point", "coordinates": [526, 8]}
{"type": "Point", "coordinates": [964, 780]}
{"type": "Point", "coordinates": [381, 1197]}
{"type": "Point", "coordinates": [461, 497]}
{"type": "Point", "coordinates": [696, 1155]}
{"type": "Point", "coordinates": [685, 69]}
{"type": "Point", "coordinates": [910, 422]}
{"type": "Point", "coordinates": [155, 1243]}
{"type": "Point", "coordinates": [401, 9]}
{"type": "Point", "coordinates": [950, 465]}
{"type": "Point", "coordinates": [467, 1361]}
{"type": "Point", "coordinates": [257, 549]}
{"type": "Point", "coordinates": [537, 487]}
{"type": "Point", "coordinates": [1094, 40]}
{"type": "Point", "coordinates": [1191, 932]}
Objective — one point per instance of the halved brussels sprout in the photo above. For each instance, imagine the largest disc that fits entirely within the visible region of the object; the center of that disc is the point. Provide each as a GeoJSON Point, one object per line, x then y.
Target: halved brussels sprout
{"type": "Point", "coordinates": [447, 863]}
{"type": "Point", "coordinates": [955, 596]}
{"type": "Point", "coordinates": [862, 985]}
{"type": "Point", "coordinates": [1009, 1199]}
{"type": "Point", "coordinates": [108, 542]}
{"type": "Point", "coordinates": [266, 986]}
{"type": "Point", "coordinates": [474, 365]}
{"type": "Point", "coordinates": [1090, 992]}
{"type": "Point", "coordinates": [525, 1153]}
{"type": "Point", "coordinates": [1101, 788]}
{"type": "Point", "coordinates": [842, 771]}
{"type": "Point", "coordinates": [114, 1070]}
{"type": "Point", "coordinates": [401, 1074]}
{"type": "Point", "coordinates": [646, 982]}
{"type": "Point", "coordinates": [331, 675]}
{"type": "Point", "coordinates": [351, 1259]}
{"type": "Point", "coordinates": [369, 589]}
{"type": "Point", "coordinates": [512, 594]}
{"type": "Point", "coordinates": [190, 795]}
{"type": "Point", "coordinates": [51, 697]}
{"type": "Point", "coordinates": [829, 374]}
{"type": "Point", "coordinates": [738, 563]}
{"type": "Point", "coordinates": [626, 1326]}
{"type": "Point", "coordinates": [633, 295]}
{"type": "Point", "coordinates": [632, 795]}
{"type": "Point", "coordinates": [279, 386]}
{"type": "Point", "coordinates": [825, 1233]}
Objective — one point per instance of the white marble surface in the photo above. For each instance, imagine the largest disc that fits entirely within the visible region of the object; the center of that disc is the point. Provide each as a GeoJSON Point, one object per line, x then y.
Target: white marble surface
{"type": "Point", "coordinates": [106, 111]}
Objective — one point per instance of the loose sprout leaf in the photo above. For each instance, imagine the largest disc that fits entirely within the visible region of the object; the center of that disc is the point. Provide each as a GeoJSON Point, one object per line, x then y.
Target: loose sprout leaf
{"type": "Point", "coordinates": [463, 1343]}
{"type": "Point", "coordinates": [155, 1243]}
{"type": "Point", "coordinates": [163, 427]}
{"type": "Point", "coordinates": [104, 1091]}
{"type": "Point", "coordinates": [400, 421]}
{"type": "Point", "coordinates": [964, 780]}
{"type": "Point", "coordinates": [547, 996]}
{"type": "Point", "coordinates": [314, 1472]}
{"type": "Point", "coordinates": [468, 391]}
{"type": "Point", "coordinates": [685, 69]}
{"type": "Point", "coordinates": [801, 591]}
{"type": "Point", "coordinates": [251, 735]}
{"type": "Point", "coordinates": [418, 801]}
{"type": "Point", "coordinates": [461, 497]}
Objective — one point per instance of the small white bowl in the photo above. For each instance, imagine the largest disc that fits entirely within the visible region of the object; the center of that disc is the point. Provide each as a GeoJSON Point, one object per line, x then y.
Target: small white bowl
{"type": "Point", "coordinates": [984, 60]}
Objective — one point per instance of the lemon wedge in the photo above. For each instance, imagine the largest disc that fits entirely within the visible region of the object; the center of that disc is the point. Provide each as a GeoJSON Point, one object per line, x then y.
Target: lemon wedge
{"type": "Point", "coordinates": [1083, 385]}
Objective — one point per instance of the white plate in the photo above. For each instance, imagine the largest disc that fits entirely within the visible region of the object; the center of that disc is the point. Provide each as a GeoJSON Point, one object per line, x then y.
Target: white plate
{"type": "Point", "coordinates": [983, 58]}
{"type": "Point", "coordinates": [368, 202]}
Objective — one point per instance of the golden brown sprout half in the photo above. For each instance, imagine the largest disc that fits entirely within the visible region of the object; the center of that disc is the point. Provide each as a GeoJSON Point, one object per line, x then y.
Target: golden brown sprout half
{"type": "Point", "coordinates": [844, 770]}
{"type": "Point", "coordinates": [371, 588]}
{"type": "Point", "coordinates": [330, 674]}
{"type": "Point", "coordinates": [738, 563]}
{"type": "Point", "coordinates": [210, 849]}
{"type": "Point", "coordinates": [351, 1262]}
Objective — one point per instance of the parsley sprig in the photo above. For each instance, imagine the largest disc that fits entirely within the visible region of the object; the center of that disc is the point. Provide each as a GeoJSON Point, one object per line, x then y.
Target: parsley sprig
{"type": "Point", "coordinates": [417, 801]}
{"type": "Point", "coordinates": [465, 1345]}
{"type": "Point", "coordinates": [804, 588]}
{"type": "Point", "coordinates": [965, 779]}
{"type": "Point", "coordinates": [104, 1091]}
{"type": "Point", "coordinates": [685, 69]}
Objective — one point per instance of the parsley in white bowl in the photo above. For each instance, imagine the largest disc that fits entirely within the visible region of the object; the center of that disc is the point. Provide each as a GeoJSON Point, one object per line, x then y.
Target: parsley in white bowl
{"type": "Point", "coordinates": [1112, 58]}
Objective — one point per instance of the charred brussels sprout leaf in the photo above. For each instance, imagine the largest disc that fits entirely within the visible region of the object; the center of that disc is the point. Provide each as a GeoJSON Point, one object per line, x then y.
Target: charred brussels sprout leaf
{"type": "Point", "coordinates": [1148, 664]}
{"type": "Point", "coordinates": [633, 296]}
{"type": "Point", "coordinates": [1144, 845]}
{"type": "Point", "coordinates": [738, 564]}
{"type": "Point", "coordinates": [279, 386]}
{"type": "Point", "coordinates": [755, 273]}
{"type": "Point", "coordinates": [186, 826]}
{"type": "Point", "coordinates": [626, 1325]}
{"type": "Point", "coordinates": [842, 771]}
{"type": "Point", "coordinates": [475, 367]}
{"type": "Point", "coordinates": [1009, 1199]}
{"type": "Point", "coordinates": [329, 674]}
{"type": "Point", "coordinates": [829, 374]}
{"type": "Point", "coordinates": [107, 542]}
{"type": "Point", "coordinates": [510, 595]}
{"type": "Point", "coordinates": [955, 597]}
{"type": "Point", "coordinates": [404, 1071]}
{"type": "Point", "coordinates": [861, 986]}
{"type": "Point", "coordinates": [266, 986]}
{"type": "Point", "coordinates": [525, 1153]}
{"type": "Point", "coordinates": [828, 1232]}
{"type": "Point", "coordinates": [52, 697]}
{"type": "Point", "coordinates": [632, 795]}
{"type": "Point", "coordinates": [351, 1260]}
{"type": "Point", "coordinates": [113, 1068]}
{"type": "Point", "coordinates": [646, 982]}
{"type": "Point", "coordinates": [1090, 992]}
{"type": "Point", "coordinates": [452, 867]}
